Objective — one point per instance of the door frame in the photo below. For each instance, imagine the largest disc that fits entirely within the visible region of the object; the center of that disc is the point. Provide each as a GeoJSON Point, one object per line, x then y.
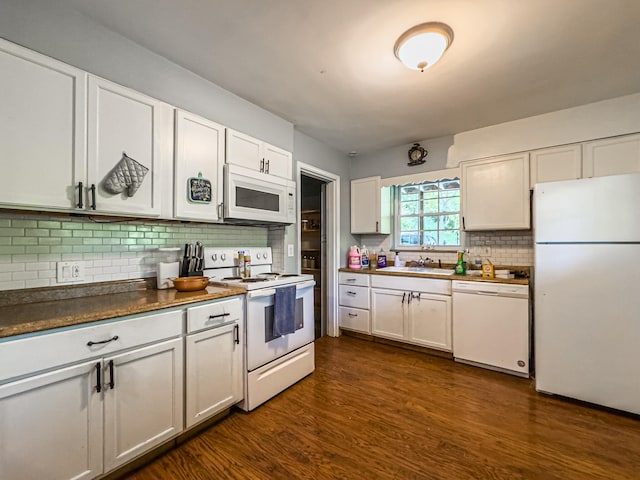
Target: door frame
{"type": "Point", "coordinates": [332, 188]}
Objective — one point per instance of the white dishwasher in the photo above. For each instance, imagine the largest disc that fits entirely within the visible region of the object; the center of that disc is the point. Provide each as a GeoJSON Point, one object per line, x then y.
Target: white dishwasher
{"type": "Point", "coordinates": [491, 326]}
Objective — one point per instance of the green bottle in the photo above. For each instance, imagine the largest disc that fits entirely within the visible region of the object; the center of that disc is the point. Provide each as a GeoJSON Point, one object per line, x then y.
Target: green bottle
{"type": "Point", "coordinates": [461, 267]}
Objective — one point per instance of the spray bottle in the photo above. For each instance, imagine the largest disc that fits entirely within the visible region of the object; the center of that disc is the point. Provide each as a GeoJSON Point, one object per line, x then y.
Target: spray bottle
{"type": "Point", "coordinates": [461, 267]}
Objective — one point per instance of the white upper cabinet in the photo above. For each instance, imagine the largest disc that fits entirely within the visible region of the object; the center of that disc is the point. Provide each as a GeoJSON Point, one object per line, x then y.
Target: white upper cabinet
{"type": "Point", "coordinates": [612, 156]}
{"type": "Point", "coordinates": [199, 160]}
{"type": "Point", "coordinates": [370, 206]}
{"type": "Point", "coordinates": [249, 152]}
{"type": "Point", "coordinates": [557, 163]}
{"type": "Point", "coordinates": [42, 130]}
{"type": "Point", "coordinates": [121, 121]}
{"type": "Point", "coordinates": [495, 193]}
{"type": "Point", "coordinates": [277, 161]}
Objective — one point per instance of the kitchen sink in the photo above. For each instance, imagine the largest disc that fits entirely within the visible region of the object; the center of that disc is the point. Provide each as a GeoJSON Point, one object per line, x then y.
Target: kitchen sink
{"type": "Point", "coordinates": [429, 270]}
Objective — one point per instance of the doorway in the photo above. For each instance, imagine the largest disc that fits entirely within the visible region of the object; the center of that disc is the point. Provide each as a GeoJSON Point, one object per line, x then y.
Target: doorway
{"type": "Point", "coordinates": [313, 243]}
{"type": "Point", "coordinates": [319, 237]}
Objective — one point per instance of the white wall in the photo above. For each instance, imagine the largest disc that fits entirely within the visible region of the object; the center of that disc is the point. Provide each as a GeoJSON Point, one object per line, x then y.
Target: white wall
{"type": "Point", "coordinates": [608, 118]}
{"type": "Point", "coordinates": [393, 162]}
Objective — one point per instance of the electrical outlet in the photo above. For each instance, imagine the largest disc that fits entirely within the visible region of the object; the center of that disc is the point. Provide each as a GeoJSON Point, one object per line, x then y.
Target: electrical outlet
{"type": "Point", "coordinates": [484, 251]}
{"type": "Point", "coordinates": [290, 249]}
{"type": "Point", "coordinates": [70, 272]}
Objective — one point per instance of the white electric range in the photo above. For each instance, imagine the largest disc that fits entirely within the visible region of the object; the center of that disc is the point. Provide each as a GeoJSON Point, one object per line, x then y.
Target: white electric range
{"type": "Point", "coordinates": [272, 362]}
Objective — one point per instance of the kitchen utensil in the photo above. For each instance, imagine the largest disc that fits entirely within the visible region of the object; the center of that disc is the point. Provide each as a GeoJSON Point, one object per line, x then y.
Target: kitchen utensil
{"type": "Point", "coordinates": [184, 271]}
{"type": "Point", "coordinates": [190, 284]}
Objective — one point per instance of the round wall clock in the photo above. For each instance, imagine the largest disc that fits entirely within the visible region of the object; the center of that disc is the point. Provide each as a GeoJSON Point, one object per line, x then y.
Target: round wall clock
{"type": "Point", "coordinates": [417, 155]}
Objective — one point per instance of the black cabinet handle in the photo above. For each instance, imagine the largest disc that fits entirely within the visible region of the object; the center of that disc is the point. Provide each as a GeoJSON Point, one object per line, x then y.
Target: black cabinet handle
{"type": "Point", "coordinates": [112, 379]}
{"type": "Point", "coordinates": [112, 339]}
{"type": "Point", "coordinates": [267, 166]}
{"type": "Point", "coordinates": [353, 314]}
{"type": "Point", "coordinates": [211, 317]}
{"type": "Point", "coordinates": [463, 226]}
{"type": "Point", "coordinates": [262, 165]}
{"type": "Point", "coordinates": [98, 377]}
{"type": "Point", "coordinates": [80, 195]}
{"type": "Point", "coordinates": [236, 334]}
{"type": "Point", "coordinates": [351, 293]}
{"type": "Point", "coordinates": [93, 196]}
{"type": "Point", "coordinates": [403, 295]}
{"type": "Point", "coordinates": [377, 223]}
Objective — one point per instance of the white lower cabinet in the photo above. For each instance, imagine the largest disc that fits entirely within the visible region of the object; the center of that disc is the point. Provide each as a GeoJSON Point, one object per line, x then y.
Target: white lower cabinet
{"type": "Point", "coordinates": [51, 425]}
{"type": "Point", "coordinates": [411, 310]}
{"type": "Point", "coordinates": [214, 358]}
{"type": "Point", "coordinates": [119, 396]}
{"type": "Point", "coordinates": [142, 400]}
{"type": "Point", "coordinates": [353, 296]}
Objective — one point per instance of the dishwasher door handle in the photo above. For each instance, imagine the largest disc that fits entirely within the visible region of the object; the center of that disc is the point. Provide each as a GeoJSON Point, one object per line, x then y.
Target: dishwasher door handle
{"type": "Point", "coordinates": [491, 294]}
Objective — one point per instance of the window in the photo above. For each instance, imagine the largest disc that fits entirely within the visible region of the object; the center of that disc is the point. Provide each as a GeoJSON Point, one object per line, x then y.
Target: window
{"type": "Point", "coordinates": [428, 214]}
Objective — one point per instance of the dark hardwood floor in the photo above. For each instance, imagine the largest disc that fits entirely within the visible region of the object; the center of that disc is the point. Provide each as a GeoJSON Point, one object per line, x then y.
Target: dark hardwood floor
{"type": "Point", "coordinates": [373, 411]}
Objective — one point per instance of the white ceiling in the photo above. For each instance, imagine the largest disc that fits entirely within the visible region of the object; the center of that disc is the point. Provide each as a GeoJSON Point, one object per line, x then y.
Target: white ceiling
{"type": "Point", "coordinates": [328, 66]}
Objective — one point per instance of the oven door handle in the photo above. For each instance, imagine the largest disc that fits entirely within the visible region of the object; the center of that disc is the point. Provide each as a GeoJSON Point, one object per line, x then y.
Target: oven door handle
{"type": "Point", "coordinates": [267, 292]}
{"type": "Point", "coordinates": [307, 284]}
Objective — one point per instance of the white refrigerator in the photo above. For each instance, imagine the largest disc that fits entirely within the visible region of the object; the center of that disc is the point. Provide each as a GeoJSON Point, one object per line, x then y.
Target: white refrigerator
{"type": "Point", "coordinates": [587, 290]}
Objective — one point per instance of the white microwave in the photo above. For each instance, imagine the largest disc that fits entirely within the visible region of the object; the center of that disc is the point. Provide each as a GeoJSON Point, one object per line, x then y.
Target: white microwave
{"type": "Point", "coordinates": [259, 197]}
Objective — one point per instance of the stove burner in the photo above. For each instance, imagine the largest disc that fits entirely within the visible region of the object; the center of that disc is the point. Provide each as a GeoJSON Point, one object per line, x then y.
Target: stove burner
{"type": "Point", "coordinates": [269, 274]}
{"type": "Point", "coordinates": [285, 275]}
{"type": "Point", "coordinates": [254, 280]}
{"type": "Point", "coordinates": [232, 278]}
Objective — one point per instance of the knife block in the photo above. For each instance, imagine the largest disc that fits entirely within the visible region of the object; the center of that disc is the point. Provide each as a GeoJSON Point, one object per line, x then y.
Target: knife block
{"type": "Point", "coordinates": [166, 272]}
{"type": "Point", "coordinates": [197, 273]}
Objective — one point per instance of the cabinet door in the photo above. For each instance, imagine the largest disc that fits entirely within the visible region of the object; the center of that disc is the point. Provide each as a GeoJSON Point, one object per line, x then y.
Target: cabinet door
{"type": "Point", "coordinates": [495, 193]}
{"type": "Point", "coordinates": [430, 321]}
{"type": "Point", "coordinates": [214, 371]}
{"type": "Point", "coordinates": [558, 163]}
{"type": "Point", "coordinates": [120, 121]}
{"type": "Point", "coordinates": [199, 151]}
{"type": "Point", "coordinates": [42, 130]}
{"type": "Point", "coordinates": [370, 206]}
{"type": "Point", "coordinates": [612, 156]}
{"type": "Point", "coordinates": [51, 425]}
{"type": "Point", "coordinates": [277, 161]}
{"type": "Point", "coordinates": [244, 150]}
{"type": "Point", "coordinates": [142, 400]}
{"type": "Point", "coordinates": [388, 312]}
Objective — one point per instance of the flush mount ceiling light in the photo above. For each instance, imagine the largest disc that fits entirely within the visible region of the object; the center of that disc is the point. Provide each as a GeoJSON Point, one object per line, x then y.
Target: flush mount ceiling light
{"type": "Point", "coordinates": [421, 46]}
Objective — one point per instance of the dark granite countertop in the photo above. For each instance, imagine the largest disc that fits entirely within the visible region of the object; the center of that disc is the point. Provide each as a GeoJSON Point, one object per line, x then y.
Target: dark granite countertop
{"type": "Point", "coordinates": [467, 277]}
{"type": "Point", "coordinates": [41, 309]}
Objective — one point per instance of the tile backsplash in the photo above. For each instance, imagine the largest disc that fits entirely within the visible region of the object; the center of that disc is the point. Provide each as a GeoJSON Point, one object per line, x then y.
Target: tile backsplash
{"type": "Point", "coordinates": [513, 248]}
{"type": "Point", "coordinates": [112, 249]}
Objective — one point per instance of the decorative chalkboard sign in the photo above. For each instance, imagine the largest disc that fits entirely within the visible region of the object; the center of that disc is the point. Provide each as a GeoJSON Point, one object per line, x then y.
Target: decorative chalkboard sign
{"type": "Point", "coordinates": [199, 189]}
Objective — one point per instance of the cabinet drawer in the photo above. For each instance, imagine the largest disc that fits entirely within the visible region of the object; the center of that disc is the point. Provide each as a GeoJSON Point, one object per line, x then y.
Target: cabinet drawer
{"type": "Point", "coordinates": [348, 278]}
{"type": "Point", "coordinates": [357, 297]}
{"type": "Point", "coordinates": [33, 354]}
{"type": "Point", "coordinates": [213, 314]}
{"type": "Point", "coordinates": [355, 319]}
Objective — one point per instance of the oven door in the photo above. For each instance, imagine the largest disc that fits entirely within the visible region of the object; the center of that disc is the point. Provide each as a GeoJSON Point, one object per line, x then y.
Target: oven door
{"type": "Point", "coordinates": [250, 195]}
{"type": "Point", "coordinates": [262, 346]}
